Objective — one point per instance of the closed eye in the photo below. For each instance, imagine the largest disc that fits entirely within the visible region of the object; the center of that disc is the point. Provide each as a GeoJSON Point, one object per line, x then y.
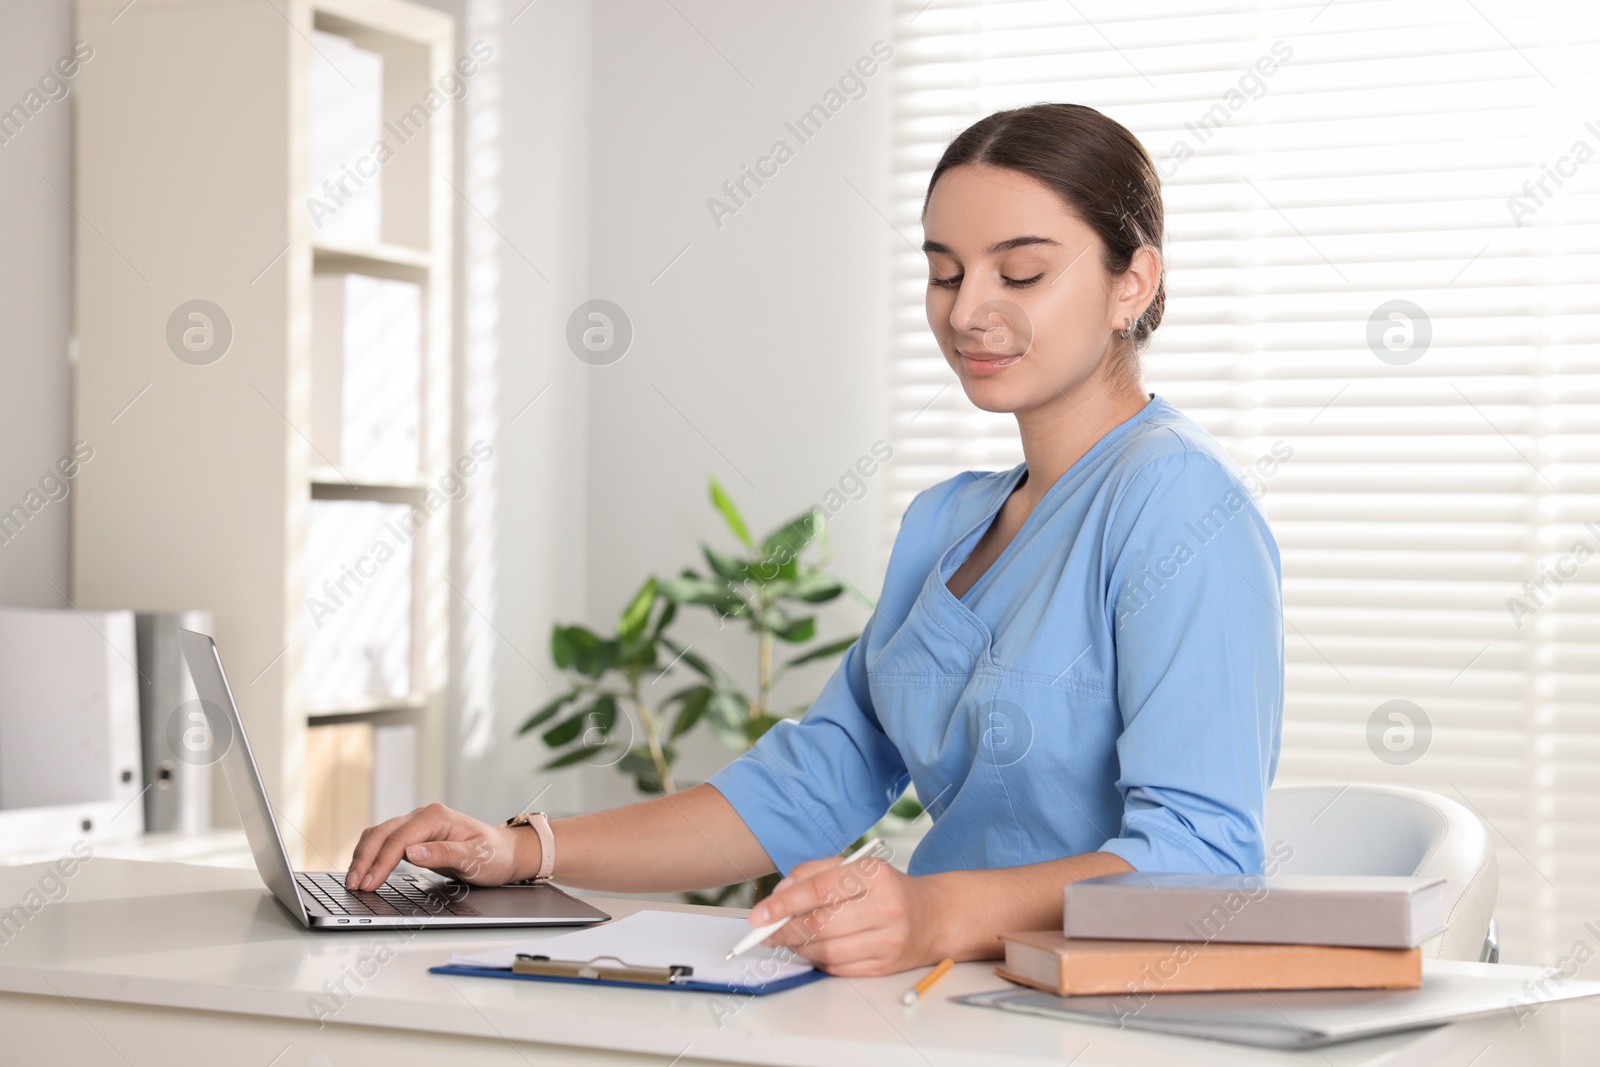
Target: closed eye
{"type": "Point", "coordinates": [954, 281]}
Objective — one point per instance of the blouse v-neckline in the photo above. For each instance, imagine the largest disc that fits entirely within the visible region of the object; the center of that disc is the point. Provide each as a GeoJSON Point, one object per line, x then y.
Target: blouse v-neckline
{"type": "Point", "coordinates": [991, 515]}
{"type": "Point", "coordinates": [942, 573]}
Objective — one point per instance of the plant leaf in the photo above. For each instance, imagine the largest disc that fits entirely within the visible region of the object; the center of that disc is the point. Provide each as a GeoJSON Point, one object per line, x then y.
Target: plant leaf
{"type": "Point", "coordinates": [547, 711]}
{"type": "Point", "coordinates": [786, 541]}
{"type": "Point", "coordinates": [797, 631]}
{"type": "Point", "coordinates": [759, 725]}
{"type": "Point", "coordinates": [637, 761]}
{"type": "Point", "coordinates": [730, 514]}
{"type": "Point", "coordinates": [832, 649]}
{"type": "Point", "coordinates": [564, 732]}
{"type": "Point", "coordinates": [601, 716]}
{"type": "Point", "coordinates": [727, 717]}
{"type": "Point", "coordinates": [637, 613]}
{"type": "Point", "coordinates": [561, 647]}
{"type": "Point", "coordinates": [907, 808]}
{"type": "Point", "coordinates": [681, 695]}
{"type": "Point", "coordinates": [637, 657]}
{"type": "Point", "coordinates": [690, 588]}
{"type": "Point", "coordinates": [813, 587]}
{"type": "Point", "coordinates": [716, 899]}
{"type": "Point", "coordinates": [567, 759]}
{"type": "Point", "coordinates": [727, 568]}
{"type": "Point", "coordinates": [594, 662]}
{"type": "Point", "coordinates": [694, 708]}
{"type": "Point", "coordinates": [585, 653]}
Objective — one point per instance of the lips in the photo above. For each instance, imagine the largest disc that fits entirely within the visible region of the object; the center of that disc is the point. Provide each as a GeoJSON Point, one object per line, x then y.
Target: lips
{"type": "Point", "coordinates": [985, 365]}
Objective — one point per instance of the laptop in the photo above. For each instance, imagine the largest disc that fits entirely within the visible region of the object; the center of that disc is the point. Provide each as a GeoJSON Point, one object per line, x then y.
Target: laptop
{"type": "Point", "coordinates": [419, 899]}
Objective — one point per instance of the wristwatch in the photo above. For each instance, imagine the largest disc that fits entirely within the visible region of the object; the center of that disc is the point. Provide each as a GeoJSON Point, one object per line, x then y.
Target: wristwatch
{"type": "Point", "coordinates": [547, 841]}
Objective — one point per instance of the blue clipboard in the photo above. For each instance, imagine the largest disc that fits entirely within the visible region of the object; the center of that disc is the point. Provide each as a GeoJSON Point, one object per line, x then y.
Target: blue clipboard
{"type": "Point", "coordinates": [685, 984]}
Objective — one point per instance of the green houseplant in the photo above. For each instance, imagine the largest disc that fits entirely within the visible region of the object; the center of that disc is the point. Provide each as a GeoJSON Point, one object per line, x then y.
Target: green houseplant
{"type": "Point", "coordinates": [607, 676]}
{"type": "Point", "coordinates": [769, 587]}
{"type": "Point", "coordinates": [609, 716]}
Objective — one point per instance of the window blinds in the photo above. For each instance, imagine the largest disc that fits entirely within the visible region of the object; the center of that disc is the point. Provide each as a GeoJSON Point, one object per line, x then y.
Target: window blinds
{"type": "Point", "coordinates": [1439, 510]}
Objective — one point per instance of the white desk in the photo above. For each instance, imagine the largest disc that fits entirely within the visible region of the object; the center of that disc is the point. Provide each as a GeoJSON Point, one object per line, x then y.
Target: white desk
{"type": "Point", "coordinates": [169, 963]}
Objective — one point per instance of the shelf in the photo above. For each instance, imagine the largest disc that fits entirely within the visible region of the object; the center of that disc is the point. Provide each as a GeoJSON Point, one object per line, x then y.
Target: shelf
{"type": "Point", "coordinates": [408, 22]}
{"type": "Point", "coordinates": [328, 484]}
{"type": "Point", "coordinates": [367, 709]}
{"type": "Point", "coordinates": [249, 561]}
{"type": "Point", "coordinates": [376, 259]}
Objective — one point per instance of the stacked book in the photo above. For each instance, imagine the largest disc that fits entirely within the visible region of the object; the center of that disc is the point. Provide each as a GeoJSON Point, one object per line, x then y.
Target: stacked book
{"type": "Point", "coordinates": [1189, 933]}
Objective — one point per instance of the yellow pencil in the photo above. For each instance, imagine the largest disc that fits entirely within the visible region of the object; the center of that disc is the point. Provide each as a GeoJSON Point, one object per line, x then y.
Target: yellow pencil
{"type": "Point", "coordinates": [915, 992]}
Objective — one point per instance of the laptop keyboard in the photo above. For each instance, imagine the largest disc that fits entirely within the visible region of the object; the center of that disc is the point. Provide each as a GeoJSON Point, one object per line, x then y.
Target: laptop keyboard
{"type": "Point", "coordinates": [394, 897]}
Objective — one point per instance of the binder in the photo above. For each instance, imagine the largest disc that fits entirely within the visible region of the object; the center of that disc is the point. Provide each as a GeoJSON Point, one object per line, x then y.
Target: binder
{"type": "Point", "coordinates": [650, 949]}
{"type": "Point", "coordinates": [178, 791]}
{"type": "Point", "coordinates": [71, 764]}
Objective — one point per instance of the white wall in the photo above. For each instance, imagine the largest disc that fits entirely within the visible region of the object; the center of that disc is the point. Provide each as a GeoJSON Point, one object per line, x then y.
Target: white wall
{"type": "Point", "coordinates": [523, 140]}
{"type": "Point", "coordinates": [759, 355]}
{"type": "Point", "coordinates": [767, 335]}
{"type": "Point", "coordinates": [35, 299]}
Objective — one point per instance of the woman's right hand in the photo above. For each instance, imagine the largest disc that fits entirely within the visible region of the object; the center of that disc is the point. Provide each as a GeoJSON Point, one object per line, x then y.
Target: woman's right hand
{"type": "Point", "coordinates": [442, 840]}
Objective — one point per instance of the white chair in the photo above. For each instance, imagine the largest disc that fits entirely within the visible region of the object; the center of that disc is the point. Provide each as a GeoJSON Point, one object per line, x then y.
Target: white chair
{"type": "Point", "coordinates": [1376, 829]}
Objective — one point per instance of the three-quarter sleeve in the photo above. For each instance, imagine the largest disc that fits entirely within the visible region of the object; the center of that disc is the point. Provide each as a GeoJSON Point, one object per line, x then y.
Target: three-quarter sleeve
{"type": "Point", "coordinates": [812, 785]}
{"type": "Point", "coordinates": [1195, 602]}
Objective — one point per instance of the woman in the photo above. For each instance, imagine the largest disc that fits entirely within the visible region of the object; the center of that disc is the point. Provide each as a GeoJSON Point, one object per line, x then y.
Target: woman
{"type": "Point", "coordinates": [1078, 662]}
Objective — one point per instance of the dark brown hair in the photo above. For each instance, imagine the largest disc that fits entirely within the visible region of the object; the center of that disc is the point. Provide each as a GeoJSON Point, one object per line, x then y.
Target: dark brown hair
{"type": "Point", "coordinates": [1098, 167]}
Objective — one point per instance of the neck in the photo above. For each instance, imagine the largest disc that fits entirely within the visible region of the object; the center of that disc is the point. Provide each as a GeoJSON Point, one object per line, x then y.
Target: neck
{"type": "Point", "coordinates": [1057, 434]}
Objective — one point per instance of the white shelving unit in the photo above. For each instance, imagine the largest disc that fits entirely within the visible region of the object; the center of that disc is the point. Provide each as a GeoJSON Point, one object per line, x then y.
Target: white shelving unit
{"type": "Point", "coordinates": [193, 171]}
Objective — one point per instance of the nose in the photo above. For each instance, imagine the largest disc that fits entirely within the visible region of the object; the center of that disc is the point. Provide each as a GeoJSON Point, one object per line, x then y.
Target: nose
{"type": "Point", "coordinates": [989, 323]}
{"type": "Point", "coordinates": [997, 327]}
{"type": "Point", "coordinates": [970, 314]}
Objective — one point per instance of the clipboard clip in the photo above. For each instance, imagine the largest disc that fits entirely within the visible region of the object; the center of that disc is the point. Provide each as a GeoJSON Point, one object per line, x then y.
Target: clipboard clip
{"type": "Point", "coordinates": [597, 970]}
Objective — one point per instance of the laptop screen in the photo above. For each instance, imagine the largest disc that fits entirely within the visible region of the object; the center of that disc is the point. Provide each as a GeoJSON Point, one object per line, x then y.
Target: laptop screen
{"type": "Point", "coordinates": [214, 732]}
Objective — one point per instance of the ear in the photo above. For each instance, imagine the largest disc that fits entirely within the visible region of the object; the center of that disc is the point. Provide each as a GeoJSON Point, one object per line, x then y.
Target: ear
{"type": "Point", "coordinates": [1136, 288]}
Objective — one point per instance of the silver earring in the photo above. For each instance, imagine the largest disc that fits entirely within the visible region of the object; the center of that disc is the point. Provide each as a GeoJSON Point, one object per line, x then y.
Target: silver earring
{"type": "Point", "coordinates": [1127, 329]}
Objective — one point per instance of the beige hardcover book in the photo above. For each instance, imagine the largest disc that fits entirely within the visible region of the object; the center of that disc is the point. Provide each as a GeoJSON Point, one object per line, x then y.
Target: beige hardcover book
{"type": "Point", "coordinates": [1356, 911]}
{"type": "Point", "coordinates": [338, 776]}
{"type": "Point", "coordinates": [1046, 960]}
{"type": "Point", "coordinates": [316, 828]}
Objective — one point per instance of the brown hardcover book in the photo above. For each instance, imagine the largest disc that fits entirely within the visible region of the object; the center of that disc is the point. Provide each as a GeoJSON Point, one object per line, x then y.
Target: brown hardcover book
{"type": "Point", "coordinates": [1046, 960]}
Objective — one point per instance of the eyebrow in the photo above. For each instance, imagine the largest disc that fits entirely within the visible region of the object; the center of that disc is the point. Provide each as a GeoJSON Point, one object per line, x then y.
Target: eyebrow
{"type": "Point", "coordinates": [1002, 246]}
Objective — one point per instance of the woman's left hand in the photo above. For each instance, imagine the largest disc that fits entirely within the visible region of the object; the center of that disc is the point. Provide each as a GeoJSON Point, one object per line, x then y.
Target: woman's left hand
{"type": "Point", "coordinates": [856, 919]}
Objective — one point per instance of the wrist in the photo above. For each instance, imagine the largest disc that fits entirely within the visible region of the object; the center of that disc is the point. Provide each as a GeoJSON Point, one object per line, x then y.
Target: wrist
{"type": "Point", "coordinates": [952, 929]}
{"type": "Point", "coordinates": [526, 854]}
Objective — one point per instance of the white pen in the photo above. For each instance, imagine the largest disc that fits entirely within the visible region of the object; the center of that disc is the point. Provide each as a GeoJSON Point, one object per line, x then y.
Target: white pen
{"type": "Point", "coordinates": [761, 933]}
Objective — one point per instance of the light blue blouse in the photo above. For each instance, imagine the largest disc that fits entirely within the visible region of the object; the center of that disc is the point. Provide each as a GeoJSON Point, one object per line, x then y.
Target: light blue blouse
{"type": "Point", "coordinates": [1113, 682]}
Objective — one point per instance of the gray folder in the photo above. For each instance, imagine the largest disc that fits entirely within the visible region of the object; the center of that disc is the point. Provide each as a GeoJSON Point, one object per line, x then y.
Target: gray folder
{"type": "Point", "coordinates": [1299, 1019]}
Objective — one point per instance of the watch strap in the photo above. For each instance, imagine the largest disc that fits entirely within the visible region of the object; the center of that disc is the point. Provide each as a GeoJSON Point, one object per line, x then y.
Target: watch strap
{"type": "Point", "coordinates": [547, 841]}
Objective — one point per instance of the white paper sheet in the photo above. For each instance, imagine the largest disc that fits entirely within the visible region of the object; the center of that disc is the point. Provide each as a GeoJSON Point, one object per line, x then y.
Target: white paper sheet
{"type": "Point", "coordinates": [660, 939]}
